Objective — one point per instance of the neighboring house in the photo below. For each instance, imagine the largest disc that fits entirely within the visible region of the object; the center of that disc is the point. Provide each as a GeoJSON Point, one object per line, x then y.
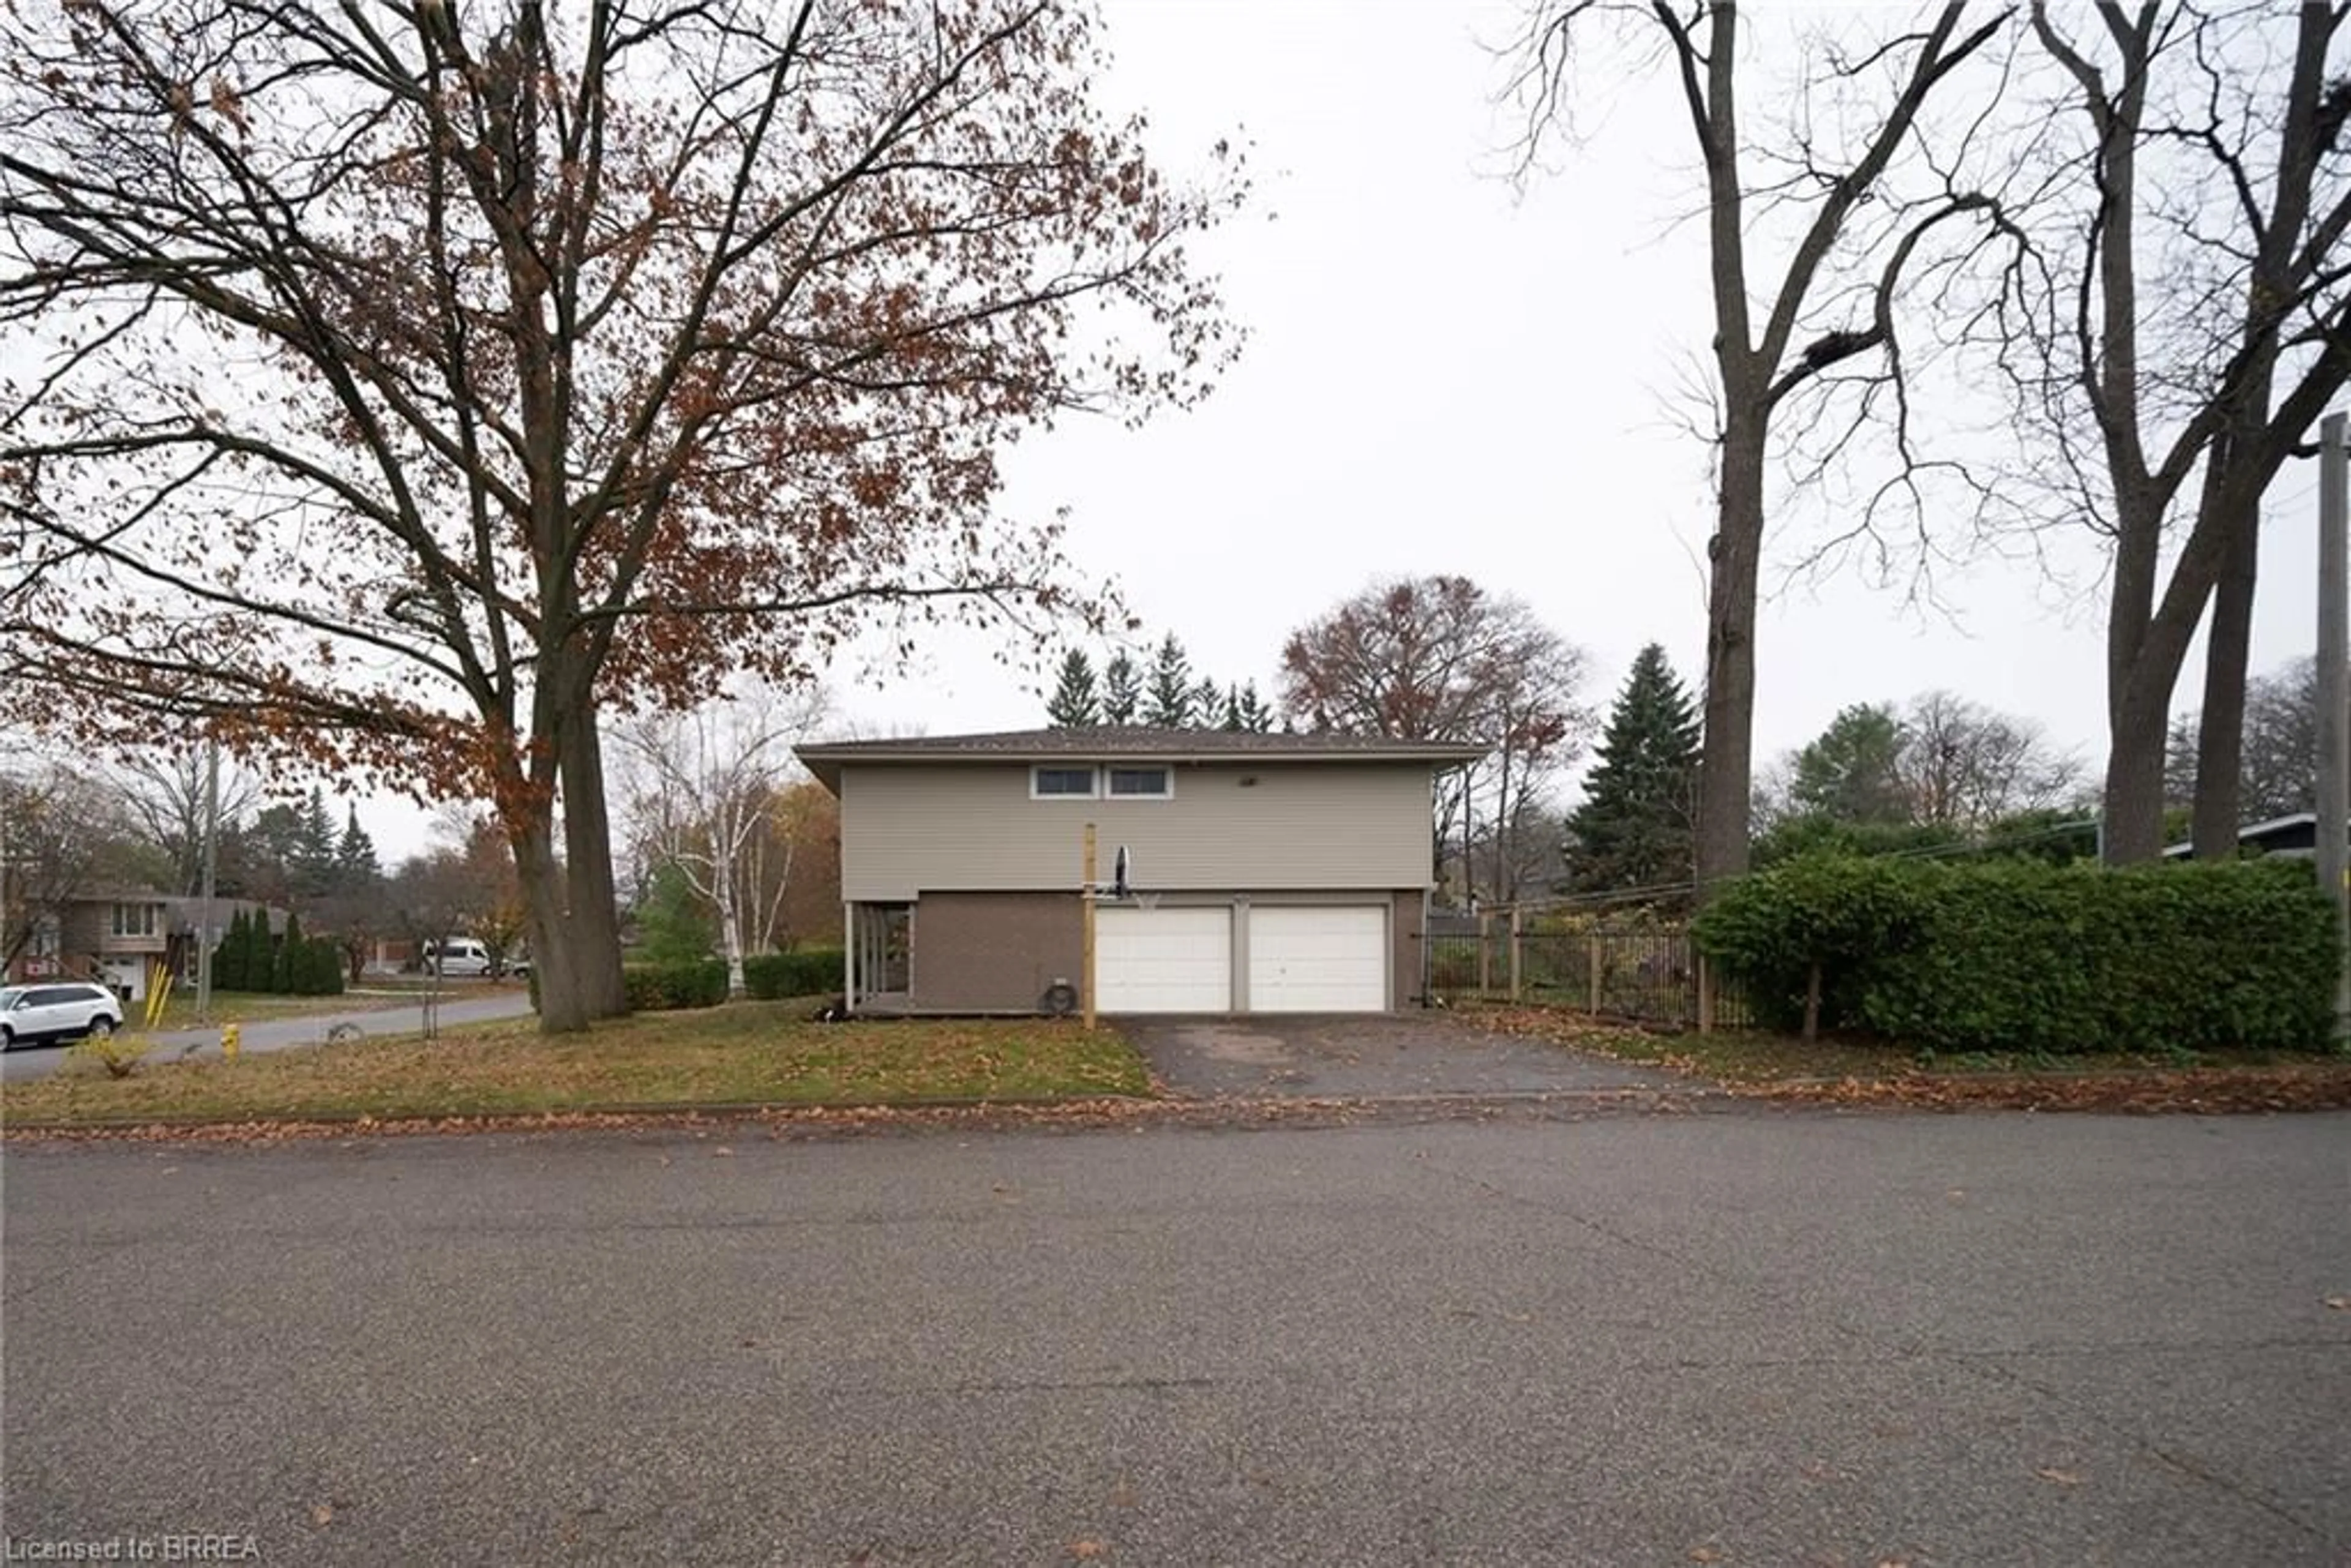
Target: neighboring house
{"type": "Point", "coordinates": [116, 936]}
{"type": "Point", "coordinates": [1266, 872]}
{"type": "Point", "coordinates": [2295, 835]}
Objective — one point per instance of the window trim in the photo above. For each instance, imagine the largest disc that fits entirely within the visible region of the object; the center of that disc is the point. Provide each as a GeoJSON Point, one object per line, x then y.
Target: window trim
{"type": "Point", "coordinates": [1093, 776]}
{"type": "Point", "coordinates": [1166, 790]}
{"type": "Point", "coordinates": [132, 920]}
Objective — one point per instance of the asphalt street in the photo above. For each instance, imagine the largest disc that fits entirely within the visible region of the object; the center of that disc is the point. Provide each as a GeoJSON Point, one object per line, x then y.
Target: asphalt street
{"type": "Point", "coordinates": [457, 1006]}
{"type": "Point", "coordinates": [1747, 1337]}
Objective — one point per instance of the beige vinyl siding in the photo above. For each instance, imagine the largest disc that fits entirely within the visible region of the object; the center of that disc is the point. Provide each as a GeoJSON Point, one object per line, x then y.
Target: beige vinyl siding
{"type": "Point", "coordinates": [973, 827]}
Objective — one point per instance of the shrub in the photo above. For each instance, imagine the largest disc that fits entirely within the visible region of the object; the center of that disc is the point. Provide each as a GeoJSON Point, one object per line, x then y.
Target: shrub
{"type": "Point", "coordinates": [809, 972]}
{"type": "Point", "coordinates": [678, 983]}
{"type": "Point", "coordinates": [318, 968]}
{"type": "Point", "coordinates": [2024, 956]}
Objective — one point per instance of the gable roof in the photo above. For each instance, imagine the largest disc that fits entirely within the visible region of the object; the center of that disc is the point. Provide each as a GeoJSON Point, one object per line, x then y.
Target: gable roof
{"type": "Point", "coordinates": [825, 759]}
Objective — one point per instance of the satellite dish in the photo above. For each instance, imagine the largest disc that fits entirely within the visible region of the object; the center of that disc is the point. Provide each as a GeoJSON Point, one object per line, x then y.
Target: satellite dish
{"type": "Point", "coordinates": [1119, 873]}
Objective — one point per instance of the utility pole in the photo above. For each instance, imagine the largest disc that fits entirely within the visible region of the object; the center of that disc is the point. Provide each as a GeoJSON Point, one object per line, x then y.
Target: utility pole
{"type": "Point", "coordinates": [2333, 688]}
{"type": "Point", "coordinates": [204, 937]}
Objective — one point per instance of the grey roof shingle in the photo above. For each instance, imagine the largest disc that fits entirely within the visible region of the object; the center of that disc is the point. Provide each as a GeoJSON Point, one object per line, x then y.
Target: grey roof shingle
{"type": "Point", "coordinates": [824, 759]}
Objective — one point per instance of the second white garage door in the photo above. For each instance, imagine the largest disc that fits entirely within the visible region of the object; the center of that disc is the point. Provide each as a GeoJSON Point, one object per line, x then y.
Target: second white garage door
{"type": "Point", "coordinates": [1308, 960]}
{"type": "Point", "coordinates": [1164, 961]}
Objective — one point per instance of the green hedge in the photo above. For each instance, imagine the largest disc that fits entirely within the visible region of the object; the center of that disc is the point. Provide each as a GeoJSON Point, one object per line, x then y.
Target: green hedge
{"type": "Point", "coordinates": [685, 983]}
{"type": "Point", "coordinates": [810, 972]}
{"type": "Point", "coordinates": [2030, 958]}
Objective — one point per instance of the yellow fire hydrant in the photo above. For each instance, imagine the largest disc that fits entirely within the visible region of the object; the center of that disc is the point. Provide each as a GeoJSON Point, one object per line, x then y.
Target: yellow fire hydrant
{"type": "Point", "coordinates": [228, 1041]}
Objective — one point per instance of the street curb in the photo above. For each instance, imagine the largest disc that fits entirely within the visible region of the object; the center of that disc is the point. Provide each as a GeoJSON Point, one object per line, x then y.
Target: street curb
{"type": "Point", "coordinates": [1034, 1112]}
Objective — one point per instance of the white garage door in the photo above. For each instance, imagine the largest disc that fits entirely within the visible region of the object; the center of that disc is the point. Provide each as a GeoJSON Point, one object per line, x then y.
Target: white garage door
{"type": "Point", "coordinates": [1164, 961]}
{"type": "Point", "coordinates": [1305, 960]}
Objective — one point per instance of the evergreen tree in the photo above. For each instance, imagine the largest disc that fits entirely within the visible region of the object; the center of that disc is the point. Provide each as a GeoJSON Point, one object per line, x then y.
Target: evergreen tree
{"type": "Point", "coordinates": [290, 948]}
{"type": "Point", "coordinates": [1168, 702]}
{"type": "Point", "coordinates": [1255, 715]}
{"type": "Point", "coordinates": [673, 924]}
{"type": "Point", "coordinates": [260, 952]}
{"type": "Point", "coordinates": [1634, 828]}
{"type": "Point", "coordinates": [1121, 695]}
{"type": "Point", "coordinates": [1208, 704]}
{"type": "Point", "coordinates": [356, 867]}
{"type": "Point", "coordinates": [228, 959]}
{"type": "Point", "coordinates": [1233, 709]}
{"type": "Point", "coordinates": [1852, 772]}
{"type": "Point", "coordinates": [314, 854]}
{"type": "Point", "coordinates": [1075, 705]}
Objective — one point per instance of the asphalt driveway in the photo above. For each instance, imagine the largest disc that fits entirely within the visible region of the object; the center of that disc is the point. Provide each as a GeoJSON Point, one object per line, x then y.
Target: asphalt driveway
{"type": "Point", "coordinates": [1376, 1056]}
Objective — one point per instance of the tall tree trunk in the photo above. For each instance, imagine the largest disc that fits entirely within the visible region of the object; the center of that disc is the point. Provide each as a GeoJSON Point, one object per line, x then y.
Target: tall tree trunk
{"type": "Point", "coordinates": [562, 1009]}
{"type": "Point", "coordinates": [1728, 749]}
{"type": "Point", "coordinates": [595, 921]}
{"type": "Point", "coordinates": [2221, 726]}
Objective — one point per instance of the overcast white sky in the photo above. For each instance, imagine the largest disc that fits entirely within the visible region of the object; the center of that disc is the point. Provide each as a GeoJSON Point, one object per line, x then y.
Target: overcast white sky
{"type": "Point", "coordinates": [1443, 377]}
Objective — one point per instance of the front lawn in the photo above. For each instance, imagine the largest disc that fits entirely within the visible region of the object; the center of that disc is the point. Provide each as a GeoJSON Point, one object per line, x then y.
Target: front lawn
{"type": "Point", "coordinates": [744, 1053]}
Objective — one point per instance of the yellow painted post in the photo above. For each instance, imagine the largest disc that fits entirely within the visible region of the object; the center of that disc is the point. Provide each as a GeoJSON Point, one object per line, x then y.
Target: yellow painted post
{"type": "Point", "coordinates": [1086, 904]}
{"type": "Point", "coordinates": [1517, 968]}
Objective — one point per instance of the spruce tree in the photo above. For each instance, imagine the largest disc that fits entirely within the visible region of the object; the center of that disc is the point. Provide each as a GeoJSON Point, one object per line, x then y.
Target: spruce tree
{"type": "Point", "coordinates": [1168, 702]}
{"type": "Point", "coordinates": [1075, 705]}
{"type": "Point", "coordinates": [356, 868]}
{"type": "Point", "coordinates": [1122, 694]}
{"type": "Point", "coordinates": [314, 855]}
{"type": "Point", "coordinates": [1255, 715]}
{"type": "Point", "coordinates": [1233, 709]}
{"type": "Point", "coordinates": [1634, 826]}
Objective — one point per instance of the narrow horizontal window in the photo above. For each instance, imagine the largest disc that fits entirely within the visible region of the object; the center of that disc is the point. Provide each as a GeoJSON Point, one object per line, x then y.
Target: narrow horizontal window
{"type": "Point", "coordinates": [1146, 783]}
{"type": "Point", "coordinates": [1062, 783]}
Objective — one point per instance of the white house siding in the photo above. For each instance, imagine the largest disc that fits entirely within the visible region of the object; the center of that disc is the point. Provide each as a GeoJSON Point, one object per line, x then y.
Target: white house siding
{"type": "Point", "coordinates": [973, 827]}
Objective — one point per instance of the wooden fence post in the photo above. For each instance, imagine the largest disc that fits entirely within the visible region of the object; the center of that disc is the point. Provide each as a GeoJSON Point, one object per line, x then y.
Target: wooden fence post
{"type": "Point", "coordinates": [1705, 995]}
{"type": "Point", "coordinates": [1485, 954]}
{"type": "Point", "coordinates": [1517, 968]}
{"type": "Point", "coordinates": [1592, 955]}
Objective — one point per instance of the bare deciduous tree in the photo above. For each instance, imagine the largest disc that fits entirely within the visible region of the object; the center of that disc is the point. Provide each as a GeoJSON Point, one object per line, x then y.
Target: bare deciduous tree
{"type": "Point", "coordinates": [2189, 321]}
{"type": "Point", "coordinates": [400, 387]}
{"type": "Point", "coordinates": [1828, 300]}
{"type": "Point", "coordinates": [164, 790]}
{"type": "Point", "coordinates": [1965, 766]}
{"type": "Point", "coordinates": [702, 792]}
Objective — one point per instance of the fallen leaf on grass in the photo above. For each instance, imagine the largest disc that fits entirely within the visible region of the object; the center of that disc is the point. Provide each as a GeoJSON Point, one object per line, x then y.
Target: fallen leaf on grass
{"type": "Point", "coordinates": [1088, 1548]}
{"type": "Point", "coordinates": [1708, 1554]}
{"type": "Point", "coordinates": [2062, 1477]}
{"type": "Point", "coordinates": [322, 1514]}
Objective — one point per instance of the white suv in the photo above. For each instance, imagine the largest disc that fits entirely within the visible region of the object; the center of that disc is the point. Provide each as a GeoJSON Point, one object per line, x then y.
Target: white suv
{"type": "Point", "coordinates": [61, 1011]}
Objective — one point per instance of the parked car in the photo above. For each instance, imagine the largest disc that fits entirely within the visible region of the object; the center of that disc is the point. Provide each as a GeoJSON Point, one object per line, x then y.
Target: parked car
{"type": "Point", "coordinates": [457, 957]}
{"type": "Point", "coordinates": [62, 1011]}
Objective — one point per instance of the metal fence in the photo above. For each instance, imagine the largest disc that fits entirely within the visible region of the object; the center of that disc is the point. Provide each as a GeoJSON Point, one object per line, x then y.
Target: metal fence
{"type": "Point", "coordinates": [1643, 970]}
